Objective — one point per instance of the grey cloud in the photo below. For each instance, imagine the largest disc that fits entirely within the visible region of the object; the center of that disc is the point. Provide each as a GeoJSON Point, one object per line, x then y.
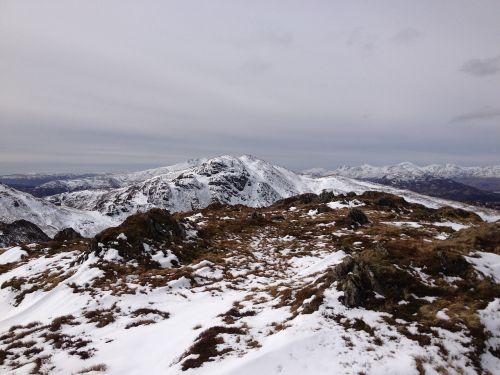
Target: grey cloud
{"type": "Point", "coordinates": [271, 38]}
{"type": "Point", "coordinates": [360, 38]}
{"type": "Point", "coordinates": [256, 65]}
{"type": "Point", "coordinates": [482, 67]}
{"type": "Point", "coordinates": [277, 37]}
{"type": "Point", "coordinates": [485, 113]}
{"type": "Point", "coordinates": [157, 82]}
{"type": "Point", "coordinates": [407, 35]}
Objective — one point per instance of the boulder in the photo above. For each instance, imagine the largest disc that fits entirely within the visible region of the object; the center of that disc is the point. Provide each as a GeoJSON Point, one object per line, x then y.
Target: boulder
{"type": "Point", "coordinates": [356, 218]}
{"type": "Point", "coordinates": [67, 234]}
{"type": "Point", "coordinates": [138, 234]}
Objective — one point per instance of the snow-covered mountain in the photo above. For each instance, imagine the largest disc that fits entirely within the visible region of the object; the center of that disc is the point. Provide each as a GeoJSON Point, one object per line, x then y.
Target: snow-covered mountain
{"type": "Point", "coordinates": [409, 171]}
{"type": "Point", "coordinates": [17, 205]}
{"type": "Point", "coordinates": [232, 180]}
{"type": "Point", "coordinates": [196, 184]}
{"type": "Point", "coordinates": [113, 180]}
{"type": "Point", "coordinates": [226, 179]}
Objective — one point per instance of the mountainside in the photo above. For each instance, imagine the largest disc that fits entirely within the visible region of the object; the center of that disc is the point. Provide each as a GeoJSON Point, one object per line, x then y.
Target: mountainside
{"type": "Point", "coordinates": [17, 205]}
{"type": "Point", "coordinates": [490, 184]}
{"type": "Point", "coordinates": [20, 231]}
{"type": "Point", "coordinates": [226, 179]}
{"type": "Point", "coordinates": [313, 284]}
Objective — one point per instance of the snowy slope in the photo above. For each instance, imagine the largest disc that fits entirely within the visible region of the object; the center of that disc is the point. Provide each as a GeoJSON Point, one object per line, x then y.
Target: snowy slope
{"type": "Point", "coordinates": [244, 180]}
{"type": "Point", "coordinates": [270, 303]}
{"type": "Point", "coordinates": [16, 205]}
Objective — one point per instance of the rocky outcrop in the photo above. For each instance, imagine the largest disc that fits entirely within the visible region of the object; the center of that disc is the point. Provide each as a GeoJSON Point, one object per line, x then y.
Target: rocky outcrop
{"type": "Point", "coordinates": [357, 280]}
{"type": "Point", "coordinates": [21, 231]}
{"type": "Point", "coordinates": [356, 218]}
{"type": "Point", "coordinates": [135, 238]}
{"type": "Point", "coordinates": [67, 234]}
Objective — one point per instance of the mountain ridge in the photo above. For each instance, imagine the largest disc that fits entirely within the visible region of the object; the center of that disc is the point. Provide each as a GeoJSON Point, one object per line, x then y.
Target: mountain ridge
{"type": "Point", "coordinates": [232, 180]}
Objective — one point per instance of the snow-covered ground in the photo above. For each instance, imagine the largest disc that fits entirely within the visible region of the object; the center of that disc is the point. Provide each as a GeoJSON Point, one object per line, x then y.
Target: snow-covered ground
{"type": "Point", "coordinates": [263, 301]}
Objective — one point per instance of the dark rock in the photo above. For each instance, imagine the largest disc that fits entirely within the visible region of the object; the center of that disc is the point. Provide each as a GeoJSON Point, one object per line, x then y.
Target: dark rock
{"type": "Point", "coordinates": [326, 196]}
{"type": "Point", "coordinates": [323, 208]}
{"type": "Point", "coordinates": [385, 201]}
{"type": "Point", "coordinates": [277, 218]}
{"type": "Point", "coordinates": [381, 250]}
{"type": "Point", "coordinates": [341, 270]}
{"type": "Point", "coordinates": [21, 231]}
{"type": "Point", "coordinates": [453, 264]}
{"type": "Point", "coordinates": [156, 228]}
{"type": "Point", "coordinates": [356, 280]}
{"type": "Point", "coordinates": [353, 291]}
{"type": "Point", "coordinates": [356, 218]}
{"type": "Point", "coordinates": [346, 249]}
{"type": "Point", "coordinates": [296, 199]}
{"type": "Point", "coordinates": [67, 234]}
{"type": "Point", "coordinates": [256, 219]}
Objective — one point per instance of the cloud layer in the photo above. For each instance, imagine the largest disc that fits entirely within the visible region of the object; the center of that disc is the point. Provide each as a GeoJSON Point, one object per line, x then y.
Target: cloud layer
{"type": "Point", "coordinates": [122, 85]}
{"type": "Point", "coordinates": [482, 67]}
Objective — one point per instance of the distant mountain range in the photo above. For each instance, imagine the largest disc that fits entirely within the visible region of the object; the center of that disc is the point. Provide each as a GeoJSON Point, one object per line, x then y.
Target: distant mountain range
{"type": "Point", "coordinates": [407, 171]}
{"type": "Point", "coordinates": [17, 205]}
{"type": "Point", "coordinates": [42, 185]}
{"type": "Point", "coordinates": [28, 182]}
{"type": "Point", "coordinates": [475, 185]}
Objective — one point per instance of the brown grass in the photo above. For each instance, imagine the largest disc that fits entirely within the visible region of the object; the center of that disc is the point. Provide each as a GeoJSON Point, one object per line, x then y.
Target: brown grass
{"type": "Point", "coordinates": [142, 322]}
{"type": "Point", "coordinates": [101, 367]}
{"type": "Point", "coordinates": [205, 346]}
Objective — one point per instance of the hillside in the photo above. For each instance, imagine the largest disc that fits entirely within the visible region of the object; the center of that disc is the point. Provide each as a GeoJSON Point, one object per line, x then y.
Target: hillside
{"type": "Point", "coordinates": [312, 284]}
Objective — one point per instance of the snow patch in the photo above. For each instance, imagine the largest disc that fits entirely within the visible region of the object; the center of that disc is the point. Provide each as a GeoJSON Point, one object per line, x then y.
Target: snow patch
{"type": "Point", "coordinates": [12, 255]}
{"type": "Point", "coordinates": [486, 263]}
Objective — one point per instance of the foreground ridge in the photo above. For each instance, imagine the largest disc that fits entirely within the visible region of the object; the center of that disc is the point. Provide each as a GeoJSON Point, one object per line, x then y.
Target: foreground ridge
{"type": "Point", "coordinates": [313, 284]}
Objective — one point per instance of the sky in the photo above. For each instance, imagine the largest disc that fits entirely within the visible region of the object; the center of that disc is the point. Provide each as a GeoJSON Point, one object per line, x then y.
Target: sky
{"type": "Point", "coordinates": [122, 85]}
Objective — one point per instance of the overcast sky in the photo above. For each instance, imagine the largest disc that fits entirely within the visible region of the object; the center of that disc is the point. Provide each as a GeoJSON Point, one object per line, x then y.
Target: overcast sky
{"type": "Point", "coordinates": [124, 85]}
